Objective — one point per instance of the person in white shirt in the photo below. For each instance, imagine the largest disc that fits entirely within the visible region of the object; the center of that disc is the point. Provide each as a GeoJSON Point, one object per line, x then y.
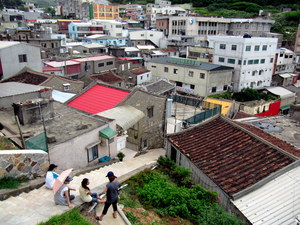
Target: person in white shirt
{"type": "Point", "coordinates": [51, 176]}
{"type": "Point", "coordinates": [63, 196]}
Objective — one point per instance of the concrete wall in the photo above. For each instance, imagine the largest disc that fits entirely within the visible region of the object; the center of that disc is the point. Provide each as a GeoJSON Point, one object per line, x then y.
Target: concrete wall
{"type": "Point", "coordinates": [148, 129]}
{"type": "Point", "coordinates": [23, 163]}
{"type": "Point", "coordinates": [10, 56]}
{"type": "Point", "coordinates": [202, 86]}
{"type": "Point", "coordinates": [74, 154]}
{"type": "Point", "coordinates": [57, 84]}
{"type": "Point", "coordinates": [7, 102]}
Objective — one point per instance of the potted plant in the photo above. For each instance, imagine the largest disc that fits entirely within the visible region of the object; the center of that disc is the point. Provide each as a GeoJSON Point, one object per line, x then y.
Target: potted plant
{"type": "Point", "coordinates": [121, 156]}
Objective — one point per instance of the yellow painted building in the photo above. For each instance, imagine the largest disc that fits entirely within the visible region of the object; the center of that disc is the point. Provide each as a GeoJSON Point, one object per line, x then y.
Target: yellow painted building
{"type": "Point", "coordinates": [106, 12]}
{"type": "Point", "coordinates": [226, 104]}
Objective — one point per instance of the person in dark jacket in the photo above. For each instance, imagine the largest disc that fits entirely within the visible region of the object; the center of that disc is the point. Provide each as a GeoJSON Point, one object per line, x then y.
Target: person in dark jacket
{"type": "Point", "coordinates": [112, 195]}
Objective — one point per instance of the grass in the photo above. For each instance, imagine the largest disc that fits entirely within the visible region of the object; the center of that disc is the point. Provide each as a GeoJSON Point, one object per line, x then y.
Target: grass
{"type": "Point", "coordinates": [5, 144]}
{"type": "Point", "coordinates": [132, 218]}
{"type": "Point", "coordinates": [11, 183]}
{"type": "Point", "coordinates": [72, 217]}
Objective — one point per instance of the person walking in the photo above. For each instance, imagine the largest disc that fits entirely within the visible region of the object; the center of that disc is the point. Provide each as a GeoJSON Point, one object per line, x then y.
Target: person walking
{"type": "Point", "coordinates": [51, 176]}
{"type": "Point", "coordinates": [112, 195]}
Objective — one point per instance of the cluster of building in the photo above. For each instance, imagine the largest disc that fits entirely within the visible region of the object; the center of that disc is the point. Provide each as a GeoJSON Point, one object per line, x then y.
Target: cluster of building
{"type": "Point", "coordinates": [111, 77]}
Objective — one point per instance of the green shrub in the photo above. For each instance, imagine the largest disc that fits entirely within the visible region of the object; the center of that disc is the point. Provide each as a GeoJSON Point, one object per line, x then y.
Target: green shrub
{"type": "Point", "coordinates": [183, 176]}
{"type": "Point", "coordinates": [11, 182]}
{"type": "Point", "coordinates": [166, 163]}
{"type": "Point", "coordinates": [132, 218]}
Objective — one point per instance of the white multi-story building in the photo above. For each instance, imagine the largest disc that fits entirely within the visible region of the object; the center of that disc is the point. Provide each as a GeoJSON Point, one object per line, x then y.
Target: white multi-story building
{"type": "Point", "coordinates": [146, 37]}
{"type": "Point", "coordinates": [252, 59]}
{"type": "Point", "coordinates": [285, 61]}
{"type": "Point", "coordinates": [111, 27]}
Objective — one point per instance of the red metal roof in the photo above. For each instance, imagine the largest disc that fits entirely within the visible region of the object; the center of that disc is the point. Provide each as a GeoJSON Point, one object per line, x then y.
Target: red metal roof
{"type": "Point", "coordinates": [98, 99]}
{"type": "Point", "coordinates": [231, 157]}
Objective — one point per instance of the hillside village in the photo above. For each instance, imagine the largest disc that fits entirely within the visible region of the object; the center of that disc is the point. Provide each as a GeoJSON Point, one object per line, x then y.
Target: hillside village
{"type": "Point", "coordinates": [218, 96]}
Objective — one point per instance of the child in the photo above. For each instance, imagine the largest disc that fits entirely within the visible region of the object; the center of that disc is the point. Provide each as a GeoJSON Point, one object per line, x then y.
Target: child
{"type": "Point", "coordinates": [51, 176]}
{"type": "Point", "coordinates": [62, 196]}
{"type": "Point", "coordinates": [85, 194]}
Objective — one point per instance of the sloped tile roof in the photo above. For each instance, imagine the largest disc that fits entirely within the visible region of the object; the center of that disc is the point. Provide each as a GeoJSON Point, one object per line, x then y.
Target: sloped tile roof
{"type": "Point", "coordinates": [230, 156]}
{"type": "Point", "coordinates": [139, 71]}
{"type": "Point", "coordinates": [108, 77]}
{"type": "Point", "coordinates": [272, 139]}
{"type": "Point", "coordinates": [28, 78]}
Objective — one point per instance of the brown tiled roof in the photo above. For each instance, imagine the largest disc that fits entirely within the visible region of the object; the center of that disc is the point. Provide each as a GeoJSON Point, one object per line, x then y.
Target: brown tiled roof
{"type": "Point", "coordinates": [139, 71]}
{"type": "Point", "coordinates": [231, 157]}
{"type": "Point", "coordinates": [270, 138]}
{"type": "Point", "coordinates": [108, 77]}
{"type": "Point", "coordinates": [169, 50]}
{"type": "Point", "coordinates": [241, 115]}
{"type": "Point", "coordinates": [28, 78]}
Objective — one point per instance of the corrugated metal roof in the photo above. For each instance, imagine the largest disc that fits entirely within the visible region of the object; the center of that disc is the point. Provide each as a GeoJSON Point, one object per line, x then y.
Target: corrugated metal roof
{"type": "Point", "coordinates": [280, 91]}
{"type": "Point", "coordinates": [99, 98]}
{"type": "Point", "coordinates": [285, 75]}
{"type": "Point", "coordinates": [277, 202]}
{"type": "Point", "coordinates": [126, 116]}
{"type": "Point", "coordinates": [62, 63]}
{"type": "Point", "coordinates": [61, 97]}
{"type": "Point", "coordinates": [15, 88]}
{"type": "Point", "coordinates": [93, 58]}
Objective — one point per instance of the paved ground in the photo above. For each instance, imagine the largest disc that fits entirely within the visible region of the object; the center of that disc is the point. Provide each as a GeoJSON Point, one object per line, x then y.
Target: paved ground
{"type": "Point", "coordinates": [38, 205]}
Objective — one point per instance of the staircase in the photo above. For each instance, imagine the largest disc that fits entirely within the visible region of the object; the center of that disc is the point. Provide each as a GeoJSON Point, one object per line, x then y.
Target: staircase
{"type": "Point", "coordinates": [38, 206]}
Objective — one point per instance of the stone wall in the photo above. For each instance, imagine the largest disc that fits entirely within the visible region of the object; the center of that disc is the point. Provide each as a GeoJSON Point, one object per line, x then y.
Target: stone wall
{"type": "Point", "coordinates": [23, 163]}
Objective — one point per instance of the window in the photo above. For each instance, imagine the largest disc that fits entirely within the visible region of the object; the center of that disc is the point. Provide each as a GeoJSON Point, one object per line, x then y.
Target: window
{"type": "Point", "coordinates": [222, 46]}
{"type": "Point", "coordinates": [250, 62]}
{"type": "Point", "coordinates": [264, 48]}
{"type": "Point", "coordinates": [191, 73]}
{"type": "Point", "coordinates": [175, 71]}
{"type": "Point", "coordinates": [22, 58]}
{"type": "Point", "coordinates": [150, 112]}
{"type": "Point", "coordinates": [240, 62]}
{"type": "Point", "coordinates": [262, 61]}
{"type": "Point", "coordinates": [213, 89]}
{"type": "Point", "coordinates": [253, 73]}
{"type": "Point", "coordinates": [233, 47]}
{"type": "Point", "coordinates": [92, 153]}
{"type": "Point", "coordinates": [202, 75]}
{"type": "Point", "coordinates": [153, 66]}
{"type": "Point", "coordinates": [248, 48]}
{"type": "Point", "coordinates": [256, 48]}
{"type": "Point", "coordinates": [256, 61]}
{"type": "Point", "coordinates": [166, 69]}
{"type": "Point", "coordinates": [109, 63]}
{"type": "Point", "coordinates": [225, 88]}
{"type": "Point", "coordinates": [245, 61]}
{"type": "Point", "coordinates": [142, 35]}
{"type": "Point", "coordinates": [221, 59]}
{"type": "Point", "coordinates": [192, 86]}
{"type": "Point", "coordinates": [100, 64]}
{"type": "Point", "coordinates": [271, 60]}
{"type": "Point", "coordinates": [231, 61]}
{"type": "Point", "coordinates": [260, 72]}
{"type": "Point", "coordinates": [178, 84]}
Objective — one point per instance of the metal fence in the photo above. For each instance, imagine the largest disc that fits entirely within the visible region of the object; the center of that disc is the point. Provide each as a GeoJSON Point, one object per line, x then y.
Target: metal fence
{"type": "Point", "coordinates": [37, 142]}
{"type": "Point", "coordinates": [210, 111]}
{"type": "Point", "coordinates": [187, 100]}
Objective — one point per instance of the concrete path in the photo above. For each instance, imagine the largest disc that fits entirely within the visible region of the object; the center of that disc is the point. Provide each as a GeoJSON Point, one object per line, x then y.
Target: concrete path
{"type": "Point", "coordinates": [38, 205]}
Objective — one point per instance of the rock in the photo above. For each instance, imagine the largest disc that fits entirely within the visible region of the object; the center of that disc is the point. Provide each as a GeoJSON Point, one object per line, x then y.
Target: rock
{"type": "Point", "coordinates": [21, 166]}
{"type": "Point", "coordinates": [9, 168]}
{"type": "Point", "coordinates": [27, 160]}
{"type": "Point", "coordinates": [33, 163]}
{"type": "Point", "coordinates": [2, 172]}
{"type": "Point", "coordinates": [17, 155]}
{"type": "Point", "coordinates": [16, 162]}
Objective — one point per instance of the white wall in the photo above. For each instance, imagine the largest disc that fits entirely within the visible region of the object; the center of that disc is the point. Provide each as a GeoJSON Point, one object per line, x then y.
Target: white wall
{"type": "Point", "coordinates": [10, 59]}
{"type": "Point", "coordinates": [145, 77]}
{"type": "Point", "coordinates": [154, 36]}
{"type": "Point", "coordinates": [73, 153]}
